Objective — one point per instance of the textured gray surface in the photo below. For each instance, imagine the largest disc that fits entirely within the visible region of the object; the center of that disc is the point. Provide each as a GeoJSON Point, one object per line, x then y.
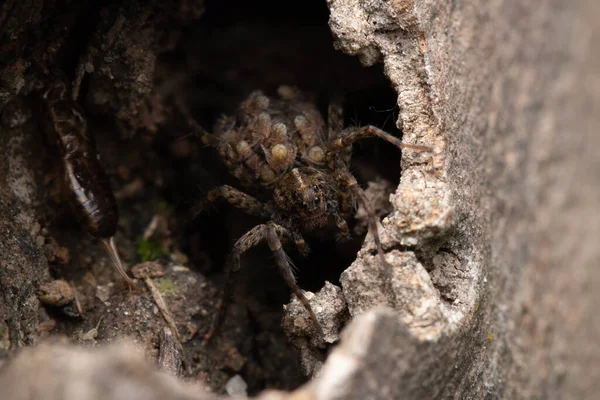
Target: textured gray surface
{"type": "Point", "coordinates": [493, 239]}
{"type": "Point", "coordinates": [331, 310]}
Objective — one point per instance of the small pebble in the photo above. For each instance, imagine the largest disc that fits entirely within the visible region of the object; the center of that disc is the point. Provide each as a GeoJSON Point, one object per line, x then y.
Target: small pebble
{"type": "Point", "coordinates": [149, 269]}
{"type": "Point", "coordinates": [103, 292]}
{"type": "Point", "coordinates": [90, 335]}
{"type": "Point", "coordinates": [234, 360]}
{"type": "Point", "coordinates": [35, 229]}
{"type": "Point", "coordinates": [47, 326]}
{"type": "Point", "coordinates": [55, 293]}
{"type": "Point", "coordinates": [40, 240]}
{"type": "Point", "coordinates": [236, 386]}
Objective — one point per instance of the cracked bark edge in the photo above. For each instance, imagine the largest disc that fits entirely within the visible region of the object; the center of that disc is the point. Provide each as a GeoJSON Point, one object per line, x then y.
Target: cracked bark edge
{"type": "Point", "coordinates": [425, 212]}
{"type": "Point", "coordinates": [404, 350]}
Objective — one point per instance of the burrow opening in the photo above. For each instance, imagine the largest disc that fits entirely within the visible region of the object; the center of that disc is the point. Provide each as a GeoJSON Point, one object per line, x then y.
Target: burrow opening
{"type": "Point", "coordinates": [235, 48]}
{"type": "Point", "coordinates": [238, 47]}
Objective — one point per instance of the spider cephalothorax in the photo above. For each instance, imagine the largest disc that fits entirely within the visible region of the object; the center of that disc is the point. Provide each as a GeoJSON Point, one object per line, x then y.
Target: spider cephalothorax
{"type": "Point", "coordinates": [309, 196]}
{"type": "Point", "coordinates": [284, 147]}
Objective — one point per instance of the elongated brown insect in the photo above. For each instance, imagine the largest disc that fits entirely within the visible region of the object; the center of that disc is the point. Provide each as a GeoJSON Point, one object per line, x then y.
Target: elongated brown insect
{"type": "Point", "coordinates": [83, 177]}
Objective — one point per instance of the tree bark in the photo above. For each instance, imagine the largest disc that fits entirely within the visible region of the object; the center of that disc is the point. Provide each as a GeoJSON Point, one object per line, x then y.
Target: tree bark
{"type": "Point", "coordinates": [498, 302]}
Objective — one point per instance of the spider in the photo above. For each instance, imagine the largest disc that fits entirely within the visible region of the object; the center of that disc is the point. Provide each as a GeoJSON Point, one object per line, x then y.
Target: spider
{"type": "Point", "coordinates": [283, 146]}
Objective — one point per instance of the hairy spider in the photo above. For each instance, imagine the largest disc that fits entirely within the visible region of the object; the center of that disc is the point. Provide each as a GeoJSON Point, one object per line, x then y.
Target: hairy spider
{"type": "Point", "coordinates": [283, 146]}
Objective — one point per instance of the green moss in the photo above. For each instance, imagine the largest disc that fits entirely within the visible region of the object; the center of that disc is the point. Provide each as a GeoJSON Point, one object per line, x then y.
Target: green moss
{"type": "Point", "coordinates": [166, 286]}
{"type": "Point", "coordinates": [148, 250]}
{"type": "Point", "coordinates": [163, 208]}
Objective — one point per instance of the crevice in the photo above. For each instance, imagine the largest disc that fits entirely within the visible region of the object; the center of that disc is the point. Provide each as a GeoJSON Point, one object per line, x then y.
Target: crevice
{"type": "Point", "coordinates": [226, 56]}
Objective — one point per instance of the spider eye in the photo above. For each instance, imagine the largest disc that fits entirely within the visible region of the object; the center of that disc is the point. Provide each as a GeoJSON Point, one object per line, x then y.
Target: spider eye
{"type": "Point", "coordinates": [314, 187]}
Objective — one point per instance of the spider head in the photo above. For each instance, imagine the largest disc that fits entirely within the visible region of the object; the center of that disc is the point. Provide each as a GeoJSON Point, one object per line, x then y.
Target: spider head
{"type": "Point", "coordinates": [307, 194]}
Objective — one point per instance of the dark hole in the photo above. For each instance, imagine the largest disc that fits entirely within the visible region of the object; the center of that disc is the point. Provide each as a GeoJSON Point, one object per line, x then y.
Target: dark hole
{"type": "Point", "coordinates": [238, 47]}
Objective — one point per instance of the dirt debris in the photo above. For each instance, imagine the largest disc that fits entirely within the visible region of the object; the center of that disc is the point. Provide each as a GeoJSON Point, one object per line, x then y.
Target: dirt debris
{"type": "Point", "coordinates": [56, 293]}
{"type": "Point", "coordinates": [55, 253]}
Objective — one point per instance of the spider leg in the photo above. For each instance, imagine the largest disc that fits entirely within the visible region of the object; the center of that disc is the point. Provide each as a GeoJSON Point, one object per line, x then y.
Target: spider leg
{"type": "Point", "coordinates": [226, 152]}
{"type": "Point", "coordinates": [335, 118]}
{"type": "Point", "coordinates": [234, 197]}
{"type": "Point", "coordinates": [287, 273]}
{"type": "Point", "coordinates": [223, 148]}
{"type": "Point", "coordinates": [342, 226]}
{"type": "Point", "coordinates": [347, 182]}
{"type": "Point", "coordinates": [339, 146]}
{"type": "Point", "coordinates": [270, 233]}
{"type": "Point", "coordinates": [371, 220]}
{"type": "Point", "coordinates": [336, 156]}
{"type": "Point", "coordinates": [80, 72]}
{"type": "Point", "coordinates": [335, 123]}
{"type": "Point", "coordinates": [250, 239]}
{"type": "Point", "coordinates": [348, 202]}
{"type": "Point", "coordinates": [300, 243]}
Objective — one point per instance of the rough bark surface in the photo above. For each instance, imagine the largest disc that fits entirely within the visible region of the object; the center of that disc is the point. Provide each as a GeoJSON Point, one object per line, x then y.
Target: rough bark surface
{"type": "Point", "coordinates": [23, 266]}
{"type": "Point", "coordinates": [506, 94]}
{"type": "Point", "coordinates": [492, 237]}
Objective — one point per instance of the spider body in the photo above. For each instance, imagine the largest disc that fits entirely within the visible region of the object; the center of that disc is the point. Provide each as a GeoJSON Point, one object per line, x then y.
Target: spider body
{"type": "Point", "coordinates": [308, 196]}
{"type": "Point", "coordinates": [283, 147]}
